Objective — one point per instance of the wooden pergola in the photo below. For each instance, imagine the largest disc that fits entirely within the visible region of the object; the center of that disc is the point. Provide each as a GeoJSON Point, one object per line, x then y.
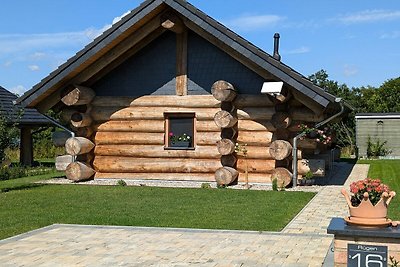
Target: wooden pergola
{"type": "Point", "coordinates": [25, 119]}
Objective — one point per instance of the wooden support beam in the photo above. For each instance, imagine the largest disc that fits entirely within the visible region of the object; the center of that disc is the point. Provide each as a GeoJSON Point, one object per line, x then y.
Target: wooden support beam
{"type": "Point", "coordinates": [26, 147]}
{"type": "Point", "coordinates": [181, 63]}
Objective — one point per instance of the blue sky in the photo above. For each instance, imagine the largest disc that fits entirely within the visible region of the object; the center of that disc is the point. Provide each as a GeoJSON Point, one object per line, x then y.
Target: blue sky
{"type": "Point", "coordinates": [357, 42]}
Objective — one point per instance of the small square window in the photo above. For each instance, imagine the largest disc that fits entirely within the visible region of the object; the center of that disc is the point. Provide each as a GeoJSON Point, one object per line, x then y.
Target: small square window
{"type": "Point", "coordinates": [179, 130]}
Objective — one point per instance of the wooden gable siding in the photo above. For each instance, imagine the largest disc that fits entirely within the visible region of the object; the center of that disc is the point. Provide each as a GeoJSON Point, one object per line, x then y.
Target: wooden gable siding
{"type": "Point", "coordinates": [384, 129]}
{"type": "Point", "coordinates": [152, 70]}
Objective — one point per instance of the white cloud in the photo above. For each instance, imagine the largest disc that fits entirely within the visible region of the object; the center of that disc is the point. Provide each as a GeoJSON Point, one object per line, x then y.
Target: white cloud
{"type": "Point", "coordinates": [391, 35]}
{"type": "Point", "coordinates": [299, 50]}
{"type": "Point", "coordinates": [7, 63]}
{"type": "Point", "coordinates": [18, 90]}
{"type": "Point", "coordinates": [350, 70]}
{"type": "Point", "coordinates": [34, 67]}
{"type": "Point", "coordinates": [367, 16]}
{"type": "Point", "coordinates": [38, 56]}
{"type": "Point", "coordinates": [253, 22]}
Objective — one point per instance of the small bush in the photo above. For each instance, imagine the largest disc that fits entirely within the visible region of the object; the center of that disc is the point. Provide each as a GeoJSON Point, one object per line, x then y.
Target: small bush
{"type": "Point", "coordinates": [376, 149]}
{"type": "Point", "coordinates": [206, 186]}
{"type": "Point", "coordinates": [121, 183]}
{"type": "Point", "coordinates": [275, 185]}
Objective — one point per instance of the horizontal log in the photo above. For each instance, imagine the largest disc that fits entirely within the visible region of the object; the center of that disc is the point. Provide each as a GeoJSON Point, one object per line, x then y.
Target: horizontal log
{"type": "Point", "coordinates": [255, 165]}
{"type": "Point", "coordinates": [156, 151]}
{"type": "Point", "coordinates": [147, 126]}
{"type": "Point", "coordinates": [136, 138]}
{"type": "Point", "coordinates": [199, 177]}
{"type": "Point", "coordinates": [255, 138]}
{"type": "Point", "coordinates": [256, 125]}
{"type": "Point", "coordinates": [158, 126]}
{"type": "Point", "coordinates": [207, 126]}
{"type": "Point", "coordinates": [263, 178]}
{"type": "Point", "coordinates": [207, 138]}
{"type": "Point", "coordinates": [157, 113]}
{"type": "Point", "coordinates": [63, 161]}
{"type": "Point", "coordinates": [148, 113]}
{"type": "Point", "coordinates": [128, 138]}
{"type": "Point", "coordinates": [305, 114]}
{"type": "Point", "coordinates": [187, 101]}
{"type": "Point", "coordinates": [156, 165]}
{"type": "Point", "coordinates": [242, 101]}
{"type": "Point", "coordinates": [255, 113]}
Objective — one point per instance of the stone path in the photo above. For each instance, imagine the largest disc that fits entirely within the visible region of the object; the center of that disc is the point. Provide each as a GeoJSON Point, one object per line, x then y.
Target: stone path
{"type": "Point", "coordinates": [303, 242]}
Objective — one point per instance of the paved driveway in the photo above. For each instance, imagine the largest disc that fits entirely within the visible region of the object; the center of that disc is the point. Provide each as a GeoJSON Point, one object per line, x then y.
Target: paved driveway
{"type": "Point", "coordinates": [303, 242]}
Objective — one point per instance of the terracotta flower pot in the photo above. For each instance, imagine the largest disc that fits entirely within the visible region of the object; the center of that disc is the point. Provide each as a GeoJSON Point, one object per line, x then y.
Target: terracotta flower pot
{"type": "Point", "coordinates": [367, 214]}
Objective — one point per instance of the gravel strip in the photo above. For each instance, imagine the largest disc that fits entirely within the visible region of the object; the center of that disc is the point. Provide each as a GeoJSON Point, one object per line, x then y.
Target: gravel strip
{"type": "Point", "coordinates": [178, 184]}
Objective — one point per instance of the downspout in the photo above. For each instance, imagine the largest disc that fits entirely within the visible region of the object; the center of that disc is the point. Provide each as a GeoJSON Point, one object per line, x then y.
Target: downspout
{"type": "Point", "coordinates": [294, 150]}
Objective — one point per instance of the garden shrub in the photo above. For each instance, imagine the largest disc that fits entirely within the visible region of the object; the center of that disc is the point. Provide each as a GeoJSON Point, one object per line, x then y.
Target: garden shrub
{"type": "Point", "coordinates": [376, 149]}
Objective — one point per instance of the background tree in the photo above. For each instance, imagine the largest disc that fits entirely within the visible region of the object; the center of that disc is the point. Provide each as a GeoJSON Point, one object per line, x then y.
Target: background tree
{"type": "Point", "coordinates": [8, 136]}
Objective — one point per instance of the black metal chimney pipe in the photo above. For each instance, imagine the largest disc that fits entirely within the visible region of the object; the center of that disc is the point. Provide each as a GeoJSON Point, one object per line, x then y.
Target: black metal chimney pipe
{"type": "Point", "coordinates": [276, 47]}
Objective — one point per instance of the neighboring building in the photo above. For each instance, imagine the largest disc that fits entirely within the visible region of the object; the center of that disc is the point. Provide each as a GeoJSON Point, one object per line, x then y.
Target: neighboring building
{"type": "Point", "coordinates": [378, 126]}
{"type": "Point", "coordinates": [148, 80]}
{"type": "Point", "coordinates": [25, 119]}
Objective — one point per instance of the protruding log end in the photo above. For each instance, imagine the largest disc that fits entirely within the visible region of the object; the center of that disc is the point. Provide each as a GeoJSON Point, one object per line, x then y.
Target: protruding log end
{"type": "Point", "coordinates": [78, 145]}
{"type": "Point", "coordinates": [280, 149]}
{"type": "Point", "coordinates": [282, 175]}
{"type": "Point", "coordinates": [226, 175]}
{"type": "Point", "coordinates": [226, 146]}
{"type": "Point", "coordinates": [78, 171]}
{"type": "Point", "coordinates": [223, 91]}
{"type": "Point", "coordinates": [80, 95]}
{"type": "Point", "coordinates": [224, 119]}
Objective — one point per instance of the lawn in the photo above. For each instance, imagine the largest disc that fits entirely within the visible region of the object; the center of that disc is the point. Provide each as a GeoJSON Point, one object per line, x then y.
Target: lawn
{"type": "Point", "coordinates": [25, 206]}
{"type": "Point", "coordinates": [389, 172]}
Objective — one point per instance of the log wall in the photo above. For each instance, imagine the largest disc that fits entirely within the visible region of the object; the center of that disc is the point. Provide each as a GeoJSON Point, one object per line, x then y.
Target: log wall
{"type": "Point", "coordinates": [129, 136]}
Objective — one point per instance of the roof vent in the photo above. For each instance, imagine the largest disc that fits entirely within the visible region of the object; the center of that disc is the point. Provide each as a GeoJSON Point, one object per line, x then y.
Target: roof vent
{"type": "Point", "coordinates": [276, 47]}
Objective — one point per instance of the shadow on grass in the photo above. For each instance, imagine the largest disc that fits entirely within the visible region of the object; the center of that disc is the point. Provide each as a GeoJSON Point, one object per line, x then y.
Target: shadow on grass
{"type": "Point", "coordinates": [20, 187]}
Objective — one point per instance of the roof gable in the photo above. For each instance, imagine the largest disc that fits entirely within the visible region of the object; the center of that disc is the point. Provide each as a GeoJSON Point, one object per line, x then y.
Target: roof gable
{"type": "Point", "coordinates": [196, 20]}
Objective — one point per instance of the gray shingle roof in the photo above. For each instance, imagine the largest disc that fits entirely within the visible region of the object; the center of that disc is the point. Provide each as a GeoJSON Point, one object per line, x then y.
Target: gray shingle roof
{"type": "Point", "coordinates": [200, 19]}
{"type": "Point", "coordinates": [16, 113]}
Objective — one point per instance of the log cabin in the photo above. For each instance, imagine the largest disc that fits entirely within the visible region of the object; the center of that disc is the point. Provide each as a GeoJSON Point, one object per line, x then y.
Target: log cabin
{"type": "Point", "coordinates": [166, 94]}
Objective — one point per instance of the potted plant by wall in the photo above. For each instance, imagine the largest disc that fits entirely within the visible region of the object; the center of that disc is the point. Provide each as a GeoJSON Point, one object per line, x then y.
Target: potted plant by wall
{"type": "Point", "coordinates": [183, 140]}
{"type": "Point", "coordinates": [369, 202]}
{"type": "Point", "coordinates": [323, 136]}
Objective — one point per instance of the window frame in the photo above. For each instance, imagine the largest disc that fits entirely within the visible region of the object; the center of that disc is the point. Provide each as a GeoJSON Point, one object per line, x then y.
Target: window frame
{"type": "Point", "coordinates": [173, 115]}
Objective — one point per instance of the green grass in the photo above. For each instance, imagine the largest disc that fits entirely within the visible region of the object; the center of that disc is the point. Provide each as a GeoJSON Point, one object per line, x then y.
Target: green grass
{"type": "Point", "coordinates": [25, 207]}
{"type": "Point", "coordinates": [389, 172]}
